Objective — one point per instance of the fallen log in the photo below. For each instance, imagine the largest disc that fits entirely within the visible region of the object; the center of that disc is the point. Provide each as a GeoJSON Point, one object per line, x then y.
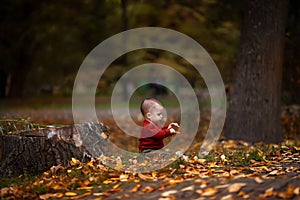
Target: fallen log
{"type": "Point", "coordinates": [38, 150]}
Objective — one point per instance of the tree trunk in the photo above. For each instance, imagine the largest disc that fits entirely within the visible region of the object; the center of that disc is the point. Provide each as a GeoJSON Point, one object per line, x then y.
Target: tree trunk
{"type": "Point", "coordinates": [38, 150]}
{"type": "Point", "coordinates": [291, 71]}
{"type": "Point", "coordinates": [3, 82]}
{"type": "Point", "coordinates": [254, 110]}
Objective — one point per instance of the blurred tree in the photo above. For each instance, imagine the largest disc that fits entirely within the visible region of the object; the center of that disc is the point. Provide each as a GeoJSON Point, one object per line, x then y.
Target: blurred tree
{"type": "Point", "coordinates": [202, 20]}
{"type": "Point", "coordinates": [291, 71]}
{"type": "Point", "coordinates": [44, 43]}
{"type": "Point", "coordinates": [255, 108]}
{"type": "Point", "coordinates": [17, 43]}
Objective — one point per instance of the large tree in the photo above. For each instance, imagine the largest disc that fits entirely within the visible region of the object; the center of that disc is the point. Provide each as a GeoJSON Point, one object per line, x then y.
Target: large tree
{"type": "Point", "coordinates": [254, 110]}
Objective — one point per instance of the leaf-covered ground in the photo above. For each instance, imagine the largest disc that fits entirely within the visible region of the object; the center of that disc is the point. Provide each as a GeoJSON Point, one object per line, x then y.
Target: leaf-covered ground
{"type": "Point", "coordinates": [233, 170]}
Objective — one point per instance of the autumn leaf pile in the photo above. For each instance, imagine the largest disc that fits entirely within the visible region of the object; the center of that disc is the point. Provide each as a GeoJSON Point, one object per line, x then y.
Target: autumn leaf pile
{"type": "Point", "coordinates": [232, 170]}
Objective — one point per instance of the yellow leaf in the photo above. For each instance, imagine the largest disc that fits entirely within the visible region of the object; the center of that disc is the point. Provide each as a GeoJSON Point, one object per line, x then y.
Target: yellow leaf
{"type": "Point", "coordinates": [71, 194]}
{"type": "Point", "coordinates": [136, 188]}
{"type": "Point", "coordinates": [56, 187]}
{"type": "Point", "coordinates": [103, 135]}
{"type": "Point", "coordinates": [123, 177]}
{"type": "Point", "coordinates": [85, 188]}
{"type": "Point", "coordinates": [154, 173]}
{"type": "Point", "coordinates": [59, 195]}
{"type": "Point", "coordinates": [116, 186]}
{"type": "Point", "coordinates": [297, 148]}
{"type": "Point", "coordinates": [83, 195]}
{"type": "Point", "coordinates": [74, 161]}
{"type": "Point", "coordinates": [119, 164]}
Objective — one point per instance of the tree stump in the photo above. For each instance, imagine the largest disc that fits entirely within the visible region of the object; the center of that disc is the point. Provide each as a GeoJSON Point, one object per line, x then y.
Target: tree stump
{"type": "Point", "coordinates": [38, 150]}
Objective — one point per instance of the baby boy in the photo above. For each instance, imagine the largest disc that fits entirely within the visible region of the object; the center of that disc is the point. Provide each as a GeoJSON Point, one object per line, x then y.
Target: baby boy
{"type": "Point", "coordinates": [153, 132]}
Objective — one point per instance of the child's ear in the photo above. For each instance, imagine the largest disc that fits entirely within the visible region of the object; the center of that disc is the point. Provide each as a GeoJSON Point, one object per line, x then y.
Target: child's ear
{"type": "Point", "coordinates": [148, 115]}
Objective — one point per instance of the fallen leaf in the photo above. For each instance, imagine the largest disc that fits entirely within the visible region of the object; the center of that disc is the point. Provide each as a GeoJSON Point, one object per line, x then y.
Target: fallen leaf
{"type": "Point", "coordinates": [85, 188]}
{"type": "Point", "coordinates": [275, 172]}
{"type": "Point", "coordinates": [148, 189]}
{"type": "Point", "coordinates": [222, 186]}
{"type": "Point", "coordinates": [116, 186]}
{"type": "Point", "coordinates": [145, 177]}
{"type": "Point", "coordinates": [199, 191]}
{"type": "Point", "coordinates": [82, 195]}
{"type": "Point", "coordinates": [297, 191]}
{"type": "Point", "coordinates": [4, 191]}
{"type": "Point", "coordinates": [235, 187]}
{"type": "Point", "coordinates": [191, 187]}
{"type": "Point", "coordinates": [168, 193]}
{"type": "Point", "coordinates": [71, 194]}
{"type": "Point", "coordinates": [207, 192]}
{"type": "Point", "coordinates": [104, 136]}
{"type": "Point", "coordinates": [74, 162]}
{"type": "Point", "coordinates": [47, 196]}
{"type": "Point", "coordinates": [288, 194]}
{"type": "Point", "coordinates": [269, 192]}
{"type": "Point", "coordinates": [243, 194]}
{"type": "Point", "coordinates": [136, 188]}
{"type": "Point", "coordinates": [123, 177]}
{"type": "Point", "coordinates": [59, 195]}
{"type": "Point", "coordinates": [227, 197]}
{"type": "Point", "coordinates": [258, 180]}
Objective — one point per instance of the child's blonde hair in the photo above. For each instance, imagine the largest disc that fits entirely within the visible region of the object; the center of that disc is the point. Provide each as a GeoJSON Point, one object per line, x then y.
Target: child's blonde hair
{"type": "Point", "coordinates": [147, 104]}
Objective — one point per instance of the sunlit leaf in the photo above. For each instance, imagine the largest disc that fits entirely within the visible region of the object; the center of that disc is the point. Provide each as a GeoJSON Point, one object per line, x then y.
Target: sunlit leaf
{"type": "Point", "coordinates": [136, 188]}
{"type": "Point", "coordinates": [71, 194]}
{"type": "Point", "coordinates": [209, 191]}
{"type": "Point", "coordinates": [227, 197]}
{"type": "Point", "coordinates": [148, 189]}
{"type": "Point", "coordinates": [47, 196]}
{"type": "Point", "coordinates": [168, 193]}
{"type": "Point", "coordinates": [235, 187]}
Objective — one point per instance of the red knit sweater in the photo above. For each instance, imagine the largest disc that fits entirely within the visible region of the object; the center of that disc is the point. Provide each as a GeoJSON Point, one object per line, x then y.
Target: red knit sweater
{"type": "Point", "coordinates": [152, 136]}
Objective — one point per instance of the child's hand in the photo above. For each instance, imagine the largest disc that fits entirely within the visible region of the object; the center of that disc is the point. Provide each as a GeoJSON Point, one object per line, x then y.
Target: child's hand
{"type": "Point", "coordinates": [172, 130]}
{"type": "Point", "coordinates": [171, 125]}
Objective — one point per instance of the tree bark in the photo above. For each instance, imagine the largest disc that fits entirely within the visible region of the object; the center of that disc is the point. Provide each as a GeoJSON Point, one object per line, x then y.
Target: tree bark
{"type": "Point", "coordinates": [38, 150]}
{"type": "Point", "coordinates": [291, 71]}
{"type": "Point", "coordinates": [254, 110]}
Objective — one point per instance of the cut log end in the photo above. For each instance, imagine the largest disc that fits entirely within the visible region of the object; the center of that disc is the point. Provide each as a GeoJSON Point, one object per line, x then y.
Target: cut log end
{"type": "Point", "coordinates": [40, 149]}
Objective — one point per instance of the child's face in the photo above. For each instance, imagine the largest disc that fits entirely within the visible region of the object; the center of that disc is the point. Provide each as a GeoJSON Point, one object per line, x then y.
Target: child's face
{"type": "Point", "coordinates": [155, 114]}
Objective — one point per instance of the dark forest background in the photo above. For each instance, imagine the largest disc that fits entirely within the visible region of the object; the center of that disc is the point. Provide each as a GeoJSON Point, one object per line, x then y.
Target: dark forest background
{"type": "Point", "coordinates": [43, 43]}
